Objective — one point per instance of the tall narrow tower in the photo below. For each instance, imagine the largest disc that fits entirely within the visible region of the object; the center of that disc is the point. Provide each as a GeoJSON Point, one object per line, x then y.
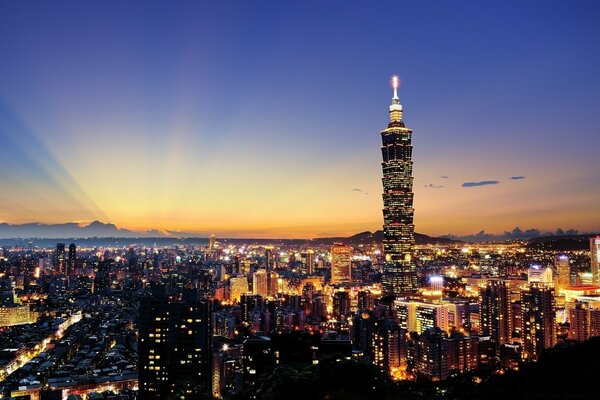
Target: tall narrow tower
{"type": "Point", "coordinates": [399, 271]}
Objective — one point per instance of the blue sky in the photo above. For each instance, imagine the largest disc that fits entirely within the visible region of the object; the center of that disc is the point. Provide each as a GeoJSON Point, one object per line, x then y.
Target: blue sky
{"type": "Point", "coordinates": [259, 118]}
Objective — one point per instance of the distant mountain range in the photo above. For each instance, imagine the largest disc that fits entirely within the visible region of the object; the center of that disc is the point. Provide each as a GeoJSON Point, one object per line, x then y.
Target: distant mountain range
{"type": "Point", "coordinates": [377, 236]}
{"type": "Point", "coordinates": [107, 233]}
{"type": "Point", "coordinates": [98, 229]}
{"type": "Point", "coordinates": [66, 230]}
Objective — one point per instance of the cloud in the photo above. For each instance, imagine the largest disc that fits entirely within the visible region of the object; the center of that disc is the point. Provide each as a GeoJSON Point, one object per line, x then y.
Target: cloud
{"type": "Point", "coordinates": [480, 183]}
{"type": "Point", "coordinates": [516, 233]}
{"type": "Point", "coordinates": [359, 191]}
{"type": "Point", "coordinates": [432, 186]}
{"type": "Point", "coordinates": [444, 177]}
{"type": "Point", "coordinates": [516, 178]}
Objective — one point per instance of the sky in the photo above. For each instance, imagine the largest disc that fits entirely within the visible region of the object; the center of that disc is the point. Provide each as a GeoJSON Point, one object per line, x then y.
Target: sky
{"type": "Point", "coordinates": [263, 119]}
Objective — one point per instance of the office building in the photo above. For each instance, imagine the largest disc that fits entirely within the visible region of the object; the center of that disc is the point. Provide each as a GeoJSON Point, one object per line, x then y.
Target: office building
{"type": "Point", "coordinates": [562, 280]}
{"type": "Point", "coordinates": [60, 258]}
{"type": "Point", "coordinates": [72, 261]}
{"type": "Point", "coordinates": [341, 305]}
{"type": "Point", "coordinates": [238, 285]}
{"type": "Point", "coordinates": [260, 283]}
{"type": "Point", "coordinates": [341, 264]}
{"type": "Point", "coordinates": [399, 271]}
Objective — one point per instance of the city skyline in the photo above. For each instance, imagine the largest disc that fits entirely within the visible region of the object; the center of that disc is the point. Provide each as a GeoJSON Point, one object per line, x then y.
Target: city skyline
{"type": "Point", "coordinates": [181, 121]}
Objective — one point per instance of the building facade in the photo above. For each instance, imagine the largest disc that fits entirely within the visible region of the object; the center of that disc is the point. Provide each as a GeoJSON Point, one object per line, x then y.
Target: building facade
{"type": "Point", "coordinates": [399, 271]}
{"type": "Point", "coordinates": [341, 264]}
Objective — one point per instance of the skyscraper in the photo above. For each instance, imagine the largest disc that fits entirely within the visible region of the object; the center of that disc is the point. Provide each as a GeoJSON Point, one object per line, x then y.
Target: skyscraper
{"type": "Point", "coordinates": [174, 347]}
{"type": "Point", "coordinates": [595, 259]}
{"type": "Point", "coordinates": [72, 264]}
{"type": "Point", "coordinates": [341, 263]}
{"type": "Point", "coordinates": [59, 258]}
{"type": "Point", "coordinates": [494, 310]}
{"type": "Point", "coordinates": [399, 271]}
{"type": "Point", "coordinates": [269, 268]}
{"type": "Point", "coordinates": [238, 285]}
{"type": "Point", "coordinates": [563, 273]}
{"type": "Point", "coordinates": [259, 283]}
{"type": "Point", "coordinates": [539, 320]}
{"type": "Point", "coordinates": [310, 262]}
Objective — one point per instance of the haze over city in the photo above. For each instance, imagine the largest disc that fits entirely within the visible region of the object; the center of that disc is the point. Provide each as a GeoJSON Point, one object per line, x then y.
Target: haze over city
{"type": "Point", "coordinates": [264, 121]}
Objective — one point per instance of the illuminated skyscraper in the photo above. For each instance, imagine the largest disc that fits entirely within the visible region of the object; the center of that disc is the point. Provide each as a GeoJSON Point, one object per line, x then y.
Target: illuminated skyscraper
{"type": "Point", "coordinates": [260, 282]}
{"type": "Point", "coordinates": [494, 311]}
{"type": "Point", "coordinates": [595, 259]}
{"type": "Point", "coordinates": [269, 261]}
{"type": "Point", "coordinates": [238, 285]}
{"type": "Point", "coordinates": [399, 272]}
{"type": "Point", "coordinates": [341, 263]}
{"type": "Point", "coordinates": [308, 259]}
{"type": "Point", "coordinates": [539, 320]}
{"type": "Point", "coordinates": [60, 258]}
{"type": "Point", "coordinates": [174, 347]}
{"type": "Point", "coordinates": [72, 264]}
{"type": "Point", "coordinates": [579, 321]}
{"type": "Point", "coordinates": [563, 273]}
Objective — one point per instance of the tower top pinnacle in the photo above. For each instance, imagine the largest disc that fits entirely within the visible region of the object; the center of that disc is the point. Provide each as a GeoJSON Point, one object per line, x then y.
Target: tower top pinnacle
{"type": "Point", "coordinates": [395, 107]}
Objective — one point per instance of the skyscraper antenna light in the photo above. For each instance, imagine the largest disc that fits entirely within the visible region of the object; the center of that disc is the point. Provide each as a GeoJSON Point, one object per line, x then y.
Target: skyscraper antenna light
{"type": "Point", "coordinates": [395, 84]}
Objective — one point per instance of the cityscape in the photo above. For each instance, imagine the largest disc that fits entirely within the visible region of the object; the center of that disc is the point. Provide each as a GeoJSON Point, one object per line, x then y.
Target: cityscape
{"type": "Point", "coordinates": [129, 295]}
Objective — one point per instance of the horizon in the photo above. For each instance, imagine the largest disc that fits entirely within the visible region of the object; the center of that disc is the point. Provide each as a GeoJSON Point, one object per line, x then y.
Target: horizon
{"type": "Point", "coordinates": [515, 234]}
{"type": "Point", "coordinates": [205, 120]}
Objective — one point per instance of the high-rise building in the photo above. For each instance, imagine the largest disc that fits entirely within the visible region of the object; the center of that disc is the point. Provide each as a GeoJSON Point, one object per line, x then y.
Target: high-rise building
{"type": "Point", "coordinates": [260, 283]}
{"type": "Point", "coordinates": [584, 318]}
{"type": "Point", "coordinates": [174, 347]}
{"type": "Point", "coordinates": [579, 321]}
{"type": "Point", "coordinates": [595, 259]}
{"type": "Point", "coordinates": [462, 352]}
{"type": "Point", "coordinates": [60, 258]}
{"type": "Point", "coordinates": [273, 280]}
{"type": "Point", "coordinates": [428, 354]}
{"type": "Point", "coordinates": [563, 273]}
{"type": "Point", "coordinates": [341, 263]}
{"type": "Point", "coordinates": [72, 262]}
{"type": "Point", "coordinates": [341, 305]}
{"type": "Point", "coordinates": [494, 310]}
{"type": "Point", "coordinates": [399, 271]}
{"type": "Point", "coordinates": [269, 261]}
{"type": "Point", "coordinates": [249, 303]}
{"type": "Point", "coordinates": [238, 285]}
{"type": "Point", "coordinates": [387, 347]}
{"type": "Point", "coordinates": [418, 316]}
{"type": "Point", "coordinates": [365, 300]}
{"type": "Point", "coordinates": [310, 262]}
{"type": "Point", "coordinates": [539, 320]}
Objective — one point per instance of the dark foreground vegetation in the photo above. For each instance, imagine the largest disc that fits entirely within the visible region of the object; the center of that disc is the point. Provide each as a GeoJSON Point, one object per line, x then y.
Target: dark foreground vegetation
{"type": "Point", "coordinates": [571, 371]}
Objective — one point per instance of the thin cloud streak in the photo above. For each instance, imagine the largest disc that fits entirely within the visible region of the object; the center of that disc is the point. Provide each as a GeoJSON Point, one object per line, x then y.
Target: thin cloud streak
{"type": "Point", "coordinates": [480, 183]}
